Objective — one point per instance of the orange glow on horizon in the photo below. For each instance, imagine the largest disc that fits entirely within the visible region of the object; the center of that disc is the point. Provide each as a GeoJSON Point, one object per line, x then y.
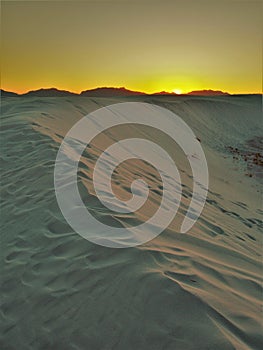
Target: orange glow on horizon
{"type": "Point", "coordinates": [150, 91]}
{"type": "Point", "coordinates": [177, 91]}
{"type": "Point", "coordinates": [178, 47]}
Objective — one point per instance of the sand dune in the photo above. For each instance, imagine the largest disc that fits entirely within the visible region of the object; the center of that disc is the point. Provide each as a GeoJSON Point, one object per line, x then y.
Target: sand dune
{"type": "Point", "coordinates": [199, 290]}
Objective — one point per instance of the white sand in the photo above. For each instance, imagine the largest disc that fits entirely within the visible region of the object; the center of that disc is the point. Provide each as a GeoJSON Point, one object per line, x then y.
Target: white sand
{"type": "Point", "coordinates": [200, 290]}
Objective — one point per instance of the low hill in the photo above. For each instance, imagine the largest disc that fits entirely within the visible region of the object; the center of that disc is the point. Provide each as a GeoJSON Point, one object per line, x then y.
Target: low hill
{"type": "Point", "coordinates": [110, 91]}
{"type": "Point", "coordinates": [52, 92]}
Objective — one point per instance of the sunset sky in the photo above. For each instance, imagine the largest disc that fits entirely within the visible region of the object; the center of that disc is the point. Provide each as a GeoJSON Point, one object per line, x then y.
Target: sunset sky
{"type": "Point", "coordinates": [144, 45]}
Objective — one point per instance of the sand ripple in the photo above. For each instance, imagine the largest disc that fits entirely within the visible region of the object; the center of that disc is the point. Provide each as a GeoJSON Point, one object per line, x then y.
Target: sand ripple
{"type": "Point", "coordinates": [200, 290]}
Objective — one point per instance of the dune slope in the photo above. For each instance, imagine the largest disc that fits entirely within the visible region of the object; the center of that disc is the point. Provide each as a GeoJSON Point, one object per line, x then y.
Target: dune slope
{"type": "Point", "coordinates": [199, 290]}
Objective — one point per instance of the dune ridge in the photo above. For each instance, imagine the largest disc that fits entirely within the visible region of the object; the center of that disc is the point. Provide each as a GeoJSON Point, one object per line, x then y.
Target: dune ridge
{"type": "Point", "coordinates": [200, 290]}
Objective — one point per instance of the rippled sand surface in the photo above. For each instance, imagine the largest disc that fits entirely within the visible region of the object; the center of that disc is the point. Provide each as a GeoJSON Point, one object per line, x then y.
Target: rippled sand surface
{"type": "Point", "coordinates": [193, 291]}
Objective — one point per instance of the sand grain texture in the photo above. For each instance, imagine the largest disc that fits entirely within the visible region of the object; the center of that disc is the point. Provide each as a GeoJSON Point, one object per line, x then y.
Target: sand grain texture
{"type": "Point", "coordinates": [200, 290]}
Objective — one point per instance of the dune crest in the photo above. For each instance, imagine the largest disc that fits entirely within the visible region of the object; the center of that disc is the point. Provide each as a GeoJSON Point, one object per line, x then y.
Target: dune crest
{"type": "Point", "coordinates": [200, 290]}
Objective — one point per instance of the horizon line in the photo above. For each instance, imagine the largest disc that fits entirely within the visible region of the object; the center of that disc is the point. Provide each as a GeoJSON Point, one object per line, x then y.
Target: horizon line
{"type": "Point", "coordinates": [220, 92]}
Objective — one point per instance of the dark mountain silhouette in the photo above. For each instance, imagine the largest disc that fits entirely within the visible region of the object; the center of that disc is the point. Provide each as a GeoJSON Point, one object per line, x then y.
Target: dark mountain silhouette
{"type": "Point", "coordinates": [164, 93]}
{"type": "Point", "coordinates": [7, 93]}
{"type": "Point", "coordinates": [194, 93]}
{"type": "Point", "coordinates": [52, 92]}
{"type": "Point", "coordinates": [207, 93]}
{"type": "Point", "coordinates": [110, 91]}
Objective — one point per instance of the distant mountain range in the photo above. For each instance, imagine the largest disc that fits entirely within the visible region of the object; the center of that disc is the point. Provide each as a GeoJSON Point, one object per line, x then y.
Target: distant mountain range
{"type": "Point", "coordinates": [53, 92]}
{"type": "Point", "coordinates": [8, 93]}
{"type": "Point", "coordinates": [105, 92]}
{"type": "Point", "coordinates": [110, 91]}
{"type": "Point", "coordinates": [207, 93]}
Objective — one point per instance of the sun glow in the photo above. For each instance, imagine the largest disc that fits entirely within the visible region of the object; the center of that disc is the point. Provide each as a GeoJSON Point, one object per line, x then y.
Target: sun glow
{"type": "Point", "coordinates": [177, 91]}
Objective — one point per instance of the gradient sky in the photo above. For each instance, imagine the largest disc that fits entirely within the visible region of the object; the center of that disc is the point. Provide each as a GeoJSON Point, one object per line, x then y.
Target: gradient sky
{"type": "Point", "coordinates": [144, 45]}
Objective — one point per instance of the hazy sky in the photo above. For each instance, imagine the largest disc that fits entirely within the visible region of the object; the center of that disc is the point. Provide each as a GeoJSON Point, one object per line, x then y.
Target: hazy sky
{"type": "Point", "coordinates": [144, 45]}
